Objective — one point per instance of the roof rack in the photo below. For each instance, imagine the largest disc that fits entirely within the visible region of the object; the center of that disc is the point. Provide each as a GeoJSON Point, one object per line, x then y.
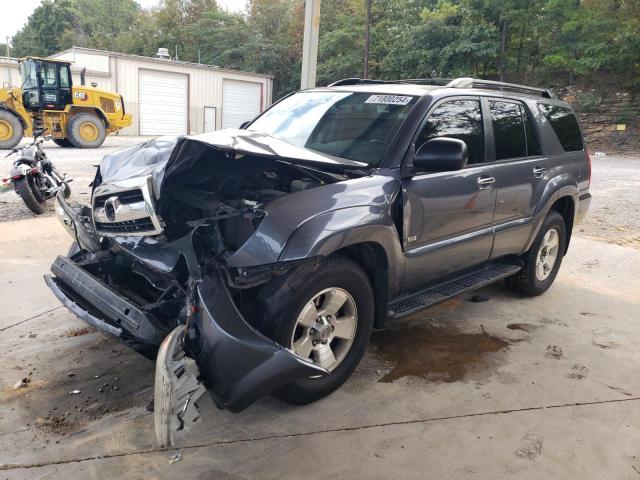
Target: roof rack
{"type": "Point", "coordinates": [357, 81]}
{"type": "Point", "coordinates": [465, 82]}
{"type": "Point", "coordinates": [462, 82]}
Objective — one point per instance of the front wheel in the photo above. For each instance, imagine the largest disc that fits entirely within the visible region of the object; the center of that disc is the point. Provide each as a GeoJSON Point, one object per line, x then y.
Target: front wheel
{"type": "Point", "coordinates": [27, 189]}
{"type": "Point", "coordinates": [11, 130]}
{"type": "Point", "coordinates": [543, 260]}
{"type": "Point", "coordinates": [329, 323]}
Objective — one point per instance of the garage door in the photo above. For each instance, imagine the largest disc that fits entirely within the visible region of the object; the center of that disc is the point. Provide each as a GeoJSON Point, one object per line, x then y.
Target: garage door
{"type": "Point", "coordinates": [240, 102]}
{"type": "Point", "coordinates": [164, 102]}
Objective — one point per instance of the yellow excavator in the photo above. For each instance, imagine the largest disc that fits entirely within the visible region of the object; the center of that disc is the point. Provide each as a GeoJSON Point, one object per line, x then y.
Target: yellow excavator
{"type": "Point", "coordinates": [75, 116]}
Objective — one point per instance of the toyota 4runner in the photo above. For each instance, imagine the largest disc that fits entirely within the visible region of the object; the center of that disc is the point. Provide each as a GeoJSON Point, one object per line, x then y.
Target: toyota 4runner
{"type": "Point", "coordinates": [257, 261]}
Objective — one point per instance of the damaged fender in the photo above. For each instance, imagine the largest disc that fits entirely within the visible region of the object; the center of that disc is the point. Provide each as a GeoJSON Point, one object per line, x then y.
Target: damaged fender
{"type": "Point", "coordinates": [237, 363]}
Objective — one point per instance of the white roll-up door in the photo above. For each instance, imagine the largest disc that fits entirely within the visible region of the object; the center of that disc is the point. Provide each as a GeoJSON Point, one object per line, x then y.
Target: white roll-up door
{"type": "Point", "coordinates": [164, 102]}
{"type": "Point", "coordinates": [240, 102]}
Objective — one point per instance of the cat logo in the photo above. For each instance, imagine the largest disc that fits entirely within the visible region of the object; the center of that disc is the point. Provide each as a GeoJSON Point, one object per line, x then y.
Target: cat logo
{"type": "Point", "coordinates": [80, 95]}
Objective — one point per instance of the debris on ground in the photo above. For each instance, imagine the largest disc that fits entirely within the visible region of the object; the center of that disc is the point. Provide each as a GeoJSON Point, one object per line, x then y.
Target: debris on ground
{"type": "Point", "coordinates": [599, 154]}
{"type": "Point", "coordinates": [71, 374]}
{"type": "Point", "coordinates": [78, 332]}
{"type": "Point", "coordinates": [525, 327]}
{"type": "Point", "coordinates": [554, 351]}
{"type": "Point", "coordinates": [75, 392]}
{"type": "Point", "coordinates": [22, 383]}
{"type": "Point", "coordinates": [578, 372]}
{"type": "Point", "coordinates": [176, 457]}
{"type": "Point", "coordinates": [54, 424]}
{"type": "Point", "coordinates": [479, 299]}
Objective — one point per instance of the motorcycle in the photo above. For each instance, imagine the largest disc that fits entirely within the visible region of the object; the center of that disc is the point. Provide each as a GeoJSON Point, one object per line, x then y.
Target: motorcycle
{"type": "Point", "coordinates": [34, 177]}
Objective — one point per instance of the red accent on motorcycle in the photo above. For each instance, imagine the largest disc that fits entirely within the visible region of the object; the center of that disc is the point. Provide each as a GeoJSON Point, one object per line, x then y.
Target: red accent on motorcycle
{"type": "Point", "coordinates": [17, 177]}
{"type": "Point", "coordinates": [34, 170]}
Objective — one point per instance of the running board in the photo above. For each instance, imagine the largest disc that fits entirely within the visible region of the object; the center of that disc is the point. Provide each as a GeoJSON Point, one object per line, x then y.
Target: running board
{"type": "Point", "coordinates": [471, 281]}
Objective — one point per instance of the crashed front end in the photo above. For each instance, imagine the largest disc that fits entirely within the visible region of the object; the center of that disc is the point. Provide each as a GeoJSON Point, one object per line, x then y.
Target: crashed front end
{"type": "Point", "coordinates": [169, 259]}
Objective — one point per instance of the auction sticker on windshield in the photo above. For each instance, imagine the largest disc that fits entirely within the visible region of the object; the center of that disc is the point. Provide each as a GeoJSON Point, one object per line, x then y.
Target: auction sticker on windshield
{"type": "Point", "coordinates": [389, 99]}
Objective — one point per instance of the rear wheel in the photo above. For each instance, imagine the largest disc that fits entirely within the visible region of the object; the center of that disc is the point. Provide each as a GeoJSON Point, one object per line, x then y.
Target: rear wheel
{"type": "Point", "coordinates": [27, 190]}
{"type": "Point", "coordinates": [86, 130]}
{"type": "Point", "coordinates": [543, 260]}
{"type": "Point", "coordinates": [11, 130]}
{"type": "Point", "coordinates": [329, 323]}
{"type": "Point", "coordinates": [62, 142]}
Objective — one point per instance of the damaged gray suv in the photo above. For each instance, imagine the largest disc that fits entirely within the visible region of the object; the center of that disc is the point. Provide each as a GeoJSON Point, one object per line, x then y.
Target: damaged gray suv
{"type": "Point", "coordinates": [257, 261]}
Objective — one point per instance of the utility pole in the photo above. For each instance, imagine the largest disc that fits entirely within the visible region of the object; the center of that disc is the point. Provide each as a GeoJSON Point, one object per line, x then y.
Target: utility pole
{"type": "Point", "coordinates": [367, 40]}
{"type": "Point", "coordinates": [310, 43]}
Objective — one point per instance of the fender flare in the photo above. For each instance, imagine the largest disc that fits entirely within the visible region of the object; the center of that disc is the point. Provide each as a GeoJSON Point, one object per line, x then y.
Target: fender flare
{"type": "Point", "coordinates": [563, 185]}
{"type": "Point", "coordinates": [329, 232]}
{"type": "Point", "coordinates": [20, 170]}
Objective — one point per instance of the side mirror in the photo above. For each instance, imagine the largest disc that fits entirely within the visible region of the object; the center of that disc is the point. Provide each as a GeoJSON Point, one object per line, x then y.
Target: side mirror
{"type": "Point", "coordinates": [244, 125]}
{"type": "Point", "coordinates": [442, 154]}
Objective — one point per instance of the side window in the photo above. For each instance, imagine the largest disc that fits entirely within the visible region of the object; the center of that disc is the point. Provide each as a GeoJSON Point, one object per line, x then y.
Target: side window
{"type": "Point", "coordinates": [460, 119]}
{"type": "Point", "coordinates": [564, 123]}
{"type": "Point", "coordinates": [533, 146]}
{"type": "Point", "coordinates": [508, 130]}
{"type": "Point", "coordinates": [48, 75]}
{"type": "Point", "coordinates": [64, 76]}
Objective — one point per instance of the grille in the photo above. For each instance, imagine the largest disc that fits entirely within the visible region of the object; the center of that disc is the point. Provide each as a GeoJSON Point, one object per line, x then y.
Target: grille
{"type": "Point", "coordinates": [130, 196]}
{"type": "Point", "coordinates": [130, 226]}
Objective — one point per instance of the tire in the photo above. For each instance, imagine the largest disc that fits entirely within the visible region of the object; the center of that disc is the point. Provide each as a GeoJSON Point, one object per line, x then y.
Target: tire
{"type": "Point", "coordinates": [86, 130]}
{"type": "Point", "coordinates": [62, 142]}
{"type": "Point", "coordinates": [529, 280]}
{"type": "Point", "coordinates": [335, 274]}
{"type": "Point", "coordinates": [11, 130]}
{"type": "Point", "coordinates": [24, 187]}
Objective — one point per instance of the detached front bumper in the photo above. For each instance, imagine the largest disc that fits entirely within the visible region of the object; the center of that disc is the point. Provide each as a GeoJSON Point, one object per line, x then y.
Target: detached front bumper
{"type": "Point", "coordinates": [236, 363]}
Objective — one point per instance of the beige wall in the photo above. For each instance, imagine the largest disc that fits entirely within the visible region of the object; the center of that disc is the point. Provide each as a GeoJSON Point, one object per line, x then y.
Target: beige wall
{"type": "Point", "coordinates": [205, 88]}
{"type": "Point", "coordinates": [120, 74]}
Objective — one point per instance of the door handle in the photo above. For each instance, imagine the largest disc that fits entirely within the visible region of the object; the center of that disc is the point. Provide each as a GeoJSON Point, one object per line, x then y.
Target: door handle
{"type": "Point", "coordinates": [538, 172]}
{"type": "Point", "coordinates": [486, 182]}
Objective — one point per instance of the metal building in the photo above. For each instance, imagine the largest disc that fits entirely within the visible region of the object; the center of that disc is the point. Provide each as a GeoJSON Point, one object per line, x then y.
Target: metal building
{"type": "Point", "coordinates": [167, 97]}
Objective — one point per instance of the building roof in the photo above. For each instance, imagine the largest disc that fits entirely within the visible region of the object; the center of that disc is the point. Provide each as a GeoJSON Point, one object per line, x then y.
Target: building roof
{"type": "Point", "coordinates": [131, 56]}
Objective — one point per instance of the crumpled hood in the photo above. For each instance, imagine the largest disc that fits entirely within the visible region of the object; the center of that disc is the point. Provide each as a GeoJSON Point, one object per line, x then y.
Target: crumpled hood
{"type": "Point", "coordinates": [153, 157]}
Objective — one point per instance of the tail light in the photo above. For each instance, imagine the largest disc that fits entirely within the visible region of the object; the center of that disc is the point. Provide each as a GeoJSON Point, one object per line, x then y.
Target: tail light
{"type": "Point", "coordinates": [589, 163]}
{"type": "Point", "coordinates": [34, 170]}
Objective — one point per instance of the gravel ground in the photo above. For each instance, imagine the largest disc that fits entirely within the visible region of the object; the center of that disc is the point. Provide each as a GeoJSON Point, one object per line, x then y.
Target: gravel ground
{"type": "Point", "coordinates": [78, 164]}
{"type": "Point", "coordinates": [612, 218]}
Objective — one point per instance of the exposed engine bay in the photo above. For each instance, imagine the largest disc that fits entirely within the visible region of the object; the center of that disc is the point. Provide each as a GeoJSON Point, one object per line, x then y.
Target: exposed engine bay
{"type": "Point", "coordinates": [205, 205]}
{"type": "Point", "coordinates": [177, 253]}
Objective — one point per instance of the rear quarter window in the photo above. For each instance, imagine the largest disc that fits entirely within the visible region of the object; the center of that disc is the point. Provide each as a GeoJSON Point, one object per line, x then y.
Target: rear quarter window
{"type": "Point", "coordinates": [564, 124]}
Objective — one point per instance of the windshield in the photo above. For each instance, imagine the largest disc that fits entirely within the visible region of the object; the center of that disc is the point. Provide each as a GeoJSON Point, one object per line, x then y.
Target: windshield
{"type": "Point", "coordinates": [356, 126]}
{"type": "Point", "coordinates": [28, 74]}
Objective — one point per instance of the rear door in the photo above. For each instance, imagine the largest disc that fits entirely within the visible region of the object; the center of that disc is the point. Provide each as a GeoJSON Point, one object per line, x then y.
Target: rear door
{"type": "Point", "coordinates": [520, 171]}
{"type": "Point", "coordinates": [448, 215]}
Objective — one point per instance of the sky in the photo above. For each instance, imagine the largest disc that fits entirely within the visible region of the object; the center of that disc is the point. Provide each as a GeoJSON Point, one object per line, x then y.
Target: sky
{"type": "Point", "coordinates": [15, 17]}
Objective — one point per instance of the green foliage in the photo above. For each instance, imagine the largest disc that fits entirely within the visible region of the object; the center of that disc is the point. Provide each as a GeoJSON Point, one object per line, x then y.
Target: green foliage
{"type": "Point", "coordinates": [536, 41]}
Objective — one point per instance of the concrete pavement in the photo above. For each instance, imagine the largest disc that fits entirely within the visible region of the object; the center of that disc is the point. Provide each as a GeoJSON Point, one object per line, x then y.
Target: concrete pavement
{"type": "Point", "coordinates": [507, 388]}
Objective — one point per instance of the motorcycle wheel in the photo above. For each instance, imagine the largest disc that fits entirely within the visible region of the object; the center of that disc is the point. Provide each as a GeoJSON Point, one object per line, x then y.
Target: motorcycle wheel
{"type": "Point", "coordinates": [25, 188]}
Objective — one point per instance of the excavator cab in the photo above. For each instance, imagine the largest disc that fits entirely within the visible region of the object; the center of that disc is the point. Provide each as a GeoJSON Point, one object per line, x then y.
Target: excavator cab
{"type": "Point", "coordinates": [46, 84]}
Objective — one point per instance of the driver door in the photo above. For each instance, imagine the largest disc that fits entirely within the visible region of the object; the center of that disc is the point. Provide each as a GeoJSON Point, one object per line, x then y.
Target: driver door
{"type": "Point", "coordinates": [447, 215]}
